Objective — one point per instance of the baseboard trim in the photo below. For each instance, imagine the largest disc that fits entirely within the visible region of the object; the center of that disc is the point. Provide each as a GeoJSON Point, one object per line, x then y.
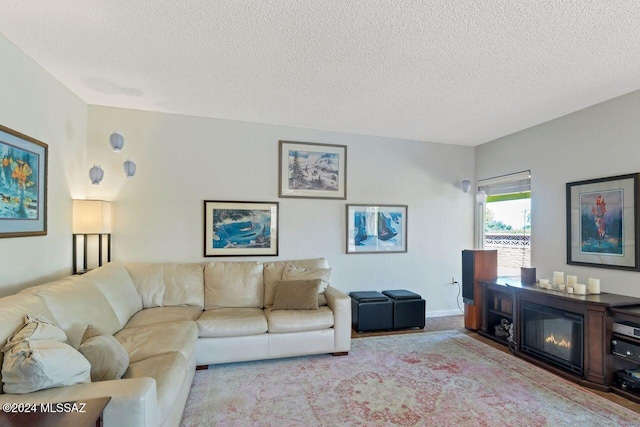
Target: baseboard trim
{"type": "Point", "coordinates": [443, 313]}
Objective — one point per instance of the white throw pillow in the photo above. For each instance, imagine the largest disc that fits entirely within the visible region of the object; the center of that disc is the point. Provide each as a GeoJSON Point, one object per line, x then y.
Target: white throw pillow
{"type": "Point", "coordinates": [30, 366]}
{"type": "Point", "coordinates": [35, 328]}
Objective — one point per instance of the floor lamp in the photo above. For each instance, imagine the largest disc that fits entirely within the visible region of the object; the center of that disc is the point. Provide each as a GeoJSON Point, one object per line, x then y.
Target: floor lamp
{"type": "Point", "coordinates": [91, 218]}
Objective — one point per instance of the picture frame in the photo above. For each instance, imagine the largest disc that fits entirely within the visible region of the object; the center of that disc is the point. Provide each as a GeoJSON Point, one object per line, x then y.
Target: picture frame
{"type": "Point", "coordinates": [602, 222]}
{"type": "Point", "coordinates": [376, 228]}
{"type": "Point", "coordinates": [23, 185]}
{"type": "Point", "coordinates": [312, 170]}
{"type": "Point", "coordinates": [240, 228]}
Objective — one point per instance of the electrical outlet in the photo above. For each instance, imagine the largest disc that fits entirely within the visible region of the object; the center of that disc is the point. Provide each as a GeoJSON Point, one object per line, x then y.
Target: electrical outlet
{"type": "Point", "coordinates": [454, 280]}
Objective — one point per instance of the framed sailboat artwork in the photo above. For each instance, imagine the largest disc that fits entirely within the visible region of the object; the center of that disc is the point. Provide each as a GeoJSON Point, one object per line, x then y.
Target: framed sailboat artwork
{"type": "Point", "coordinates": [240, 228]}
{"type": "Point", "coordinates": [376, 228]}
{"type": "Point", "coordinates": [312, 170]}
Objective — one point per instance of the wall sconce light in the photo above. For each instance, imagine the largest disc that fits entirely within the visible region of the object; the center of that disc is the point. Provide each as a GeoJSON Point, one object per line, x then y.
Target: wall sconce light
{"type": "Point", "coordinates": [129, 168]}
{"type": "Point", "coordinates": [96, 174]}
{"type": "Point", "coordinates": [91, 218]}
{"type": "Point", "coordinates": [481, 197]}
{"type": "Point", "coordinates": [117, 141]}
{"type": "Point", "coordinates": [466, 185]}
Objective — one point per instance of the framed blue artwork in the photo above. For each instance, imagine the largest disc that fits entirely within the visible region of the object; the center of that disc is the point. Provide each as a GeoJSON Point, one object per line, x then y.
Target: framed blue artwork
{"type": "Point", "coordinates": [376, 228]}
{"type": "Point", "coordinates": [23, 185]}
{"type": "Point", "coordinates": [240, 228]}
{"type": "Point", "coordinates": [602, 222]}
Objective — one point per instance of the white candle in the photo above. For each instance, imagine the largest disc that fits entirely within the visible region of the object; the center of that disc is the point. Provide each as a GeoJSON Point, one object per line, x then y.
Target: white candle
{"type": "Point", "coordinates": [561, 287]}
{"type": "Point", "coordinates": [558, 277]}
{"type": "Point", "coordinates": [572, 280]}
{"type": "Point", "coordinates": [580, 288]}
{"type": "Point", "coordinates": [544, 283]}
{"type": "Point", "coordinates": [594, 286]}
{"type": "Point", "coordinates": [569, 290]}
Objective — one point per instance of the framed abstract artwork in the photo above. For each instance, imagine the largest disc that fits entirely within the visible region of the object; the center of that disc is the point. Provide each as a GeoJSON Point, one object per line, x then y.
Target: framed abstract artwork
{"type": "Point", "coordinates": [376, 228]}
{"type": "Point", "coordinates": [240, 228]}
{"type": "Point", "coordinates": [23, 185]}
{"type": "Point", "coordinates": [602, 222]}
{"type": "Point", "coordinates": [310, 170]}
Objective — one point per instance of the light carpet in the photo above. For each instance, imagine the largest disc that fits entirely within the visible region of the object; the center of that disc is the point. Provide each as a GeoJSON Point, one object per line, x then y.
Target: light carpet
{"type": "Point", "coordinates": [422, 379]}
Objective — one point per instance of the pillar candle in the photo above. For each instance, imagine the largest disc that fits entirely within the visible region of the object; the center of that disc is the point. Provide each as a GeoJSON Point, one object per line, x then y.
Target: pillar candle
{"type": "Point", "coordinates": [594, 286]}
{"type": "Point", "coordinates": [544, 283]}
{"type": "Point", "coordinates": [572, 280]}
{"type": "Point", "coordinates": [580, 288]}
{"type": "Point", "coordinates": [569, 290]}
{"type": "Point", "coordinates": [558, 277]}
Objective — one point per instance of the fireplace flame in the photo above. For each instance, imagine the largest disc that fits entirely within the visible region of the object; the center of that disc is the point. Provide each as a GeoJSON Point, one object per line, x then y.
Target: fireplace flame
{"type": "Point", "coordinates": [562, 343]}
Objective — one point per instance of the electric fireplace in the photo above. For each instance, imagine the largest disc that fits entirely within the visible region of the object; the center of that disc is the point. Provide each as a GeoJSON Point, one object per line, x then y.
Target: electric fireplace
{"type": "Point", "coordinates": [553, 335]}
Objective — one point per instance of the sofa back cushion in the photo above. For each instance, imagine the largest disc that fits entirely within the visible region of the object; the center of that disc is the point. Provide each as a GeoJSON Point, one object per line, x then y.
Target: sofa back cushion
{"type": "Point", "coordinates": [114, 282]}
{"type": "Point", "coordinates": [168, 284]}
{"type": "Point", "coordinates": [76, 302]}
{"type": "Point", "coordinates": [273, 274]}
{"type": "Point", "coordinates": [233, 284]}
{"type": "Point", "coordinates": [183, 285]}
{"type": "Point", "coordinates": [13, 308]}
{"type": "Point", "coordinates": [147, 278]}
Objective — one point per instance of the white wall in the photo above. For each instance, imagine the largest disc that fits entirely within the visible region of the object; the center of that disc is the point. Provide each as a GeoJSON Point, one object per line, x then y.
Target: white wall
{"type": "Point", "coordinates": [182, 160]}
{"type": "Point", "coordinates": [596, 142]}
{"type": "Point", "coordinates": [34, 103]}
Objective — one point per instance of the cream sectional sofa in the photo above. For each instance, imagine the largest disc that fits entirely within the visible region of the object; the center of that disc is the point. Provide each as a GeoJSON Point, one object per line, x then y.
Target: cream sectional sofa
{"type": "Point", "coordinates": [172, 317]}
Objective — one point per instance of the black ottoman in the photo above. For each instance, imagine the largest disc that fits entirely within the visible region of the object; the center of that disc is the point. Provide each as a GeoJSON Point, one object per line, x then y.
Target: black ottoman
{"type": "Point", "coordinates": [408, 309]}
{"type": "Point", "coordinates": [371, 311]}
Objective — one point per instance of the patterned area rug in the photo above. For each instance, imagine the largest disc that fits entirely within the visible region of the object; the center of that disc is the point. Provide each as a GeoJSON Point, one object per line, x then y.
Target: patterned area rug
{"type": "Point", "coordinates": [424, 379]}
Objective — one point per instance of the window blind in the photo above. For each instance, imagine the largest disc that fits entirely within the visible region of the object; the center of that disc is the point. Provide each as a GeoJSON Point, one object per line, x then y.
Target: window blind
{"type": "Point", "coordinates": [506, 184]}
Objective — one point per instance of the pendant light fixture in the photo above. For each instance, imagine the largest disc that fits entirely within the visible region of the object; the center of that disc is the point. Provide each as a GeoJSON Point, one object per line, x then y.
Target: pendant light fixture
{"type": "Point", "coordinates": [96, 174]}
{"type": "Point", "coordinates": [129, 168]}
{"type": "Point", "coordinates": [117, 141]}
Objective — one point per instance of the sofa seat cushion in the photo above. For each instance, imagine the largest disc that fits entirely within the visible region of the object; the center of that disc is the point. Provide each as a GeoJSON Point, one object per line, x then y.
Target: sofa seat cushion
{"type": "Point", "coordinates": [148, 341]}
{"type": "Point", "coordinates": [232, 322]}
{"type": "Point", "coordinates": [153, 316]}
{"type": "Point", "coordinates": [169, 371]}
{"type": "Point", "coordinates": [299, 320]}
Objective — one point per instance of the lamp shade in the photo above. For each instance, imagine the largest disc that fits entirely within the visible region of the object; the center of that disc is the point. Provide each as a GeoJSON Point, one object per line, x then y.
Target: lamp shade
{"type": "Point", "coordinates": [129, 168]}
{"type": "Point", "coordinates": [96, 174]}
{"type": "Point", "coordinates": [91, 217]}
{"type": "Point", "coordinates": [117, 141]}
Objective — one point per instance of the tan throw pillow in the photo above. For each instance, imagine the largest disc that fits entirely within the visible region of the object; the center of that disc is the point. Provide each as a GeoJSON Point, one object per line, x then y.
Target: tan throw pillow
{"type": "Point", "coordinates": [108, 359]}
{"type": "Point", "coordinates": [30, 366]}
{"type": "Point", "coordinates": [35, 328]}
{"type": "Point", "coordinates": [297, 295]}
{"type": "Point", "coordinates": [297, 273]}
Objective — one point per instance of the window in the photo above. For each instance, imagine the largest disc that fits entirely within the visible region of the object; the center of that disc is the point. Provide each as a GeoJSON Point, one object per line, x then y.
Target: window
{"type": "Point", "coordinates": [506, 221]}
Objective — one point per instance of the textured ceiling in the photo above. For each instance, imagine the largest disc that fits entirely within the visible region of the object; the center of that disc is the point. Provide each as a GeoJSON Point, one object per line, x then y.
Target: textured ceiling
{"type": "Point", "coordinates": [449, 71]}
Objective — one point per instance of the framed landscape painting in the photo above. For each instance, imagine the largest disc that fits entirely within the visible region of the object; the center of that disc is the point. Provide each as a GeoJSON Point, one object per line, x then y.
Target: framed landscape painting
{"type": "Point", "coordinates": [602, 222]}
{"type": "Point", "coordinates": [23, 185]}
{"type": "Point", "coordinates": [240, 228]}
{"type": "Point", "coordinates": [310, 170]}
{"type": "Point", "coordinates": [376, 228]}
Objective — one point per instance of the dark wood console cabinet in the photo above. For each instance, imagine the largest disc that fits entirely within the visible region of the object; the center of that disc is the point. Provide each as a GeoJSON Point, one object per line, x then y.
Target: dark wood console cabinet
{"type": "Point", "coordinates": [598, 311]}
{"type": "Point", "coordinates": [619, 363]}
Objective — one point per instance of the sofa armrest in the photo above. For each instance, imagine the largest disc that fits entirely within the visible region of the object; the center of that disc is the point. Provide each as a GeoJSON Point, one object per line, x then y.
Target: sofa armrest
{"type": "Point", "coordinates": [340, 304]}
{"type": "Point", "coordinates": [133, 400]}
